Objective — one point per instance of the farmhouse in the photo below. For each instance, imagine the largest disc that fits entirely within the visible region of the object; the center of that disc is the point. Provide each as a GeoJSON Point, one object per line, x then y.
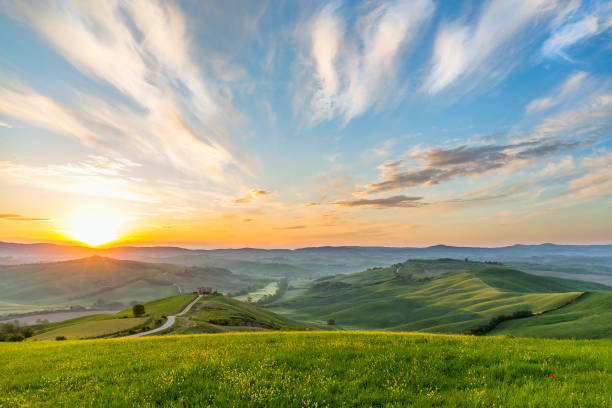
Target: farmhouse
{"type": "Point", "coordinates": [204, 290]}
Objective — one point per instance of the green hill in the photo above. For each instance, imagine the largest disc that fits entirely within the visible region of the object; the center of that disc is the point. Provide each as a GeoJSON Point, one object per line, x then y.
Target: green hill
{"type": "Point", "coordinates": [413, 297]}
{"type": "Point", "coordinates": [511, 280]}
{"type": "Point", "coordinates": [310, 369]}
{"type": "Point", "coordinates": [109, 282]}
{"type": "Point", "coordinates": [212, 314]}
{"type": "Point", "coordinates": [588, 317]}
{"type": "Point", "coordinates": [219, 314]}
{"type": "Point", "coordinates": [104, 325]}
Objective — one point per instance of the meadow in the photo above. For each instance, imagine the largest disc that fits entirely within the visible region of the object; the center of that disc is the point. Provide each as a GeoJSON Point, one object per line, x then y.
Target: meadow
{"type": "Point", "coordinates": [99, 325]}
{"type": "Point", "coordinates": [311, 369]}
{"type": "Point", "coordinates": [448, 296]}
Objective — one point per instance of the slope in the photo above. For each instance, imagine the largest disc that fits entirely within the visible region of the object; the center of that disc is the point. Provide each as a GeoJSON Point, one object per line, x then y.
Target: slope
{"type": "Point", "coordinates": [88, 280]}
{"type": "Point", "coordinates": [308, 369]}
{"type": "Point", "coordinates": [588, 317]}
{"type": "Point", "coordinates": [394, 298]}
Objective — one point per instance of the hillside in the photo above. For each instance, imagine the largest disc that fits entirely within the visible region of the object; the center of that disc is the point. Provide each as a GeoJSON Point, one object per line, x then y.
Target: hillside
{"type": "Point", "coordinates": [211, 314]}
{"type": "Point", "coordinates": [220, 314]}
{"type": "Point", "coordinates": [421, 296]}
{"type": "Point", "coordinates": [308, 369]}
{"type": "Point", "coordinates": [589, 317]}
{"type": "Point", "coordinates": [106, 281]}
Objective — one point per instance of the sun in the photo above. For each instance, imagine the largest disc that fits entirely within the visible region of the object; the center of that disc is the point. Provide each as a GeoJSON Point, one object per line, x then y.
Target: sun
{"type": "Point", "coordinates": [95, 230]}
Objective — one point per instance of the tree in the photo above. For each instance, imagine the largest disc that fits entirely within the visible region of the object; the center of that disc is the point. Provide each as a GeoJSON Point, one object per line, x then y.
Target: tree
{"type": "Point", "coordinates": [331, 322]}
{"type": "Point", "coordinates": [138, 310]}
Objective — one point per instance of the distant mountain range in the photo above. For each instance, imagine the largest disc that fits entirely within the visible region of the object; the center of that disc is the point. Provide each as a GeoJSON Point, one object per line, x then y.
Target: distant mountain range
{"type": "Point", "coordinates": [43, 252]}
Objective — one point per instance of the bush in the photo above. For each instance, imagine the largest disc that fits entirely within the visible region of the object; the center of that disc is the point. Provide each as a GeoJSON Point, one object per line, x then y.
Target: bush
{"type": "Point", "coordinates": [138, 310]}
{"type": "Point", "coordinates": [485, 328]}
{"type": "Point", "coordinates": [331, 322]}
{"type": "Point", "coordinates": [59, 338]}
{"type": "Point", "coordinates": [15, 337]}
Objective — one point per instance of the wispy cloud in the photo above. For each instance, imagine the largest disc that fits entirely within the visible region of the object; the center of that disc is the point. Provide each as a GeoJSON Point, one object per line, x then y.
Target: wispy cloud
{"type": "Point", "coordinates": [252, 195]}
{"type": "Point", "coordinates": [348, 68]}
{"type": "Point", "coordinates": [171, 112]}
{"type": "Point", "coordinates": [5, 125]}
{"type": "Point", "coordinates": [17, 217]}
{"type": "Point", "coordinates": [572, 86]}
{"type": "Point", "coordinates": [485, 47]}
{"type": "Point", "coordinates": [577, 26]}
{"type": "Point", "coordinates": [445, 164]}
{"type": "Point", "coordinates": [388, 202]}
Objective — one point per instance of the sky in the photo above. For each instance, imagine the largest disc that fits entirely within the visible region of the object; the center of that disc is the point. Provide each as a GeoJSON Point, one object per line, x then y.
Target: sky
{"type": "Point", "coordinates": [294, 124]}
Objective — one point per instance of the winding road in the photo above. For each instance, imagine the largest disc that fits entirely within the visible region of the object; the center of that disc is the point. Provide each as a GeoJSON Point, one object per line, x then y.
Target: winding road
{"type": "Point", "coordinates": [169, 321]}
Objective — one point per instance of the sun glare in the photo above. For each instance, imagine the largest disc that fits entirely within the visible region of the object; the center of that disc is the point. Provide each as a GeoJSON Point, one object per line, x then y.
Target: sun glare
{"type": "Point", "coordinates": [95, 230]}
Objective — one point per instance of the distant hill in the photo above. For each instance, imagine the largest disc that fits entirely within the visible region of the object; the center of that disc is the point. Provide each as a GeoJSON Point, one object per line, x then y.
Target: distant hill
{"type": "Point", "coordinates": [590, 260]}
{"type": "Point", "coordinates": [106, 281]}
{"type": "Point", "coordinates": [442, 296]}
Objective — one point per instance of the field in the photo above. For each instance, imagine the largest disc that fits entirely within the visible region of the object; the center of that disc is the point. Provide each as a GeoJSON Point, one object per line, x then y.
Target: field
{"type": "Point", "coordinates": [92, 329]}
{"type": "Point", "coordinates": [219, 314]}
{"type": "Point", "coordinates": [98, 325]}
{"type": "Point", "coordinates": [442, 296]}
{"type": "Point", "coordinates": [310, 369]}
{"type": "Point", "coordinates": [588, 317]}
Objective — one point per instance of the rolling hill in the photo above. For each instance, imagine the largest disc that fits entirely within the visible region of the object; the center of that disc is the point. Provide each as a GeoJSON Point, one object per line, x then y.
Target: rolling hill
{"type": "Point", "coordinates": [107, 281]}
{"type": "Point", "coordinates": [444, 296]}
{"type": "Point", "coordinates": [324, 261]}
{"type": "Point", "coordinates": [213, 313]}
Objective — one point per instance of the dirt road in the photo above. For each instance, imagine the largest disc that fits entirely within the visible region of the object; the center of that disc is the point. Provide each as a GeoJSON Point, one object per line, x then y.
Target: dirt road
{"type": "Point", "coordinates": [169, 322]}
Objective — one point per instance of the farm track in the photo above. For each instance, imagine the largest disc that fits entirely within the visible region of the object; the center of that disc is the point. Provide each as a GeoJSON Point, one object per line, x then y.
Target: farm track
{"type": "Point", "coordinates": [169, 322]}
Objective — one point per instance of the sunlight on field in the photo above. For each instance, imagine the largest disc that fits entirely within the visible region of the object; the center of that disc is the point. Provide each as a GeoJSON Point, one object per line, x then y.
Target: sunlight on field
{"type": "Point", "coordinates": [308, 369]}
{"type": "Point", "coordinates": [256, 295]}
{"type": "Point", "coordinates": [92, 329]}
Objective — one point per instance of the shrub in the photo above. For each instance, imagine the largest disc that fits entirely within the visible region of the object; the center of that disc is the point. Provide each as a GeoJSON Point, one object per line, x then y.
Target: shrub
{"type": "Point", "coordinates": [15, 337]}
{"type": "Point", "coordinates": [331, 322]}
{"type": "Point", "coordinates": [138, 310]}
{"type": "Point", "coordinates": [59, 338]}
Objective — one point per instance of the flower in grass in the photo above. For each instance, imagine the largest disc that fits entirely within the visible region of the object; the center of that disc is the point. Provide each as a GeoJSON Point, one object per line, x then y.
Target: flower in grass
{"type": "Point", "coordinates": [552, 376]}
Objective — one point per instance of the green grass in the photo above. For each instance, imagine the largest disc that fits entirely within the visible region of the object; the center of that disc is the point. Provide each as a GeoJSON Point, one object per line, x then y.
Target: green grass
{"type": "Point", "coordinates": [85, 327]}
{"type": "Point", "coordinates": [308, 369]}
{"type": "Point", "coordinates": [166, 306]}
{"type": "Point", "coordinates": [590, 316]}
{"type": "Point", "coordinates": [511, 280]}
{"type": "Point", "coordinates": [92, 329]}
{"type": "Point", "coordinates": [439, 296]}
{"type": "Point", "coordinates": [217, 314]}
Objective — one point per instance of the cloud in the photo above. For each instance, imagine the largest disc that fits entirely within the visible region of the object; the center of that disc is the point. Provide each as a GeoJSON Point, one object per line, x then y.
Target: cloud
{"type": "Point", "coordinates": [348, 68]}
{"type": "Point", "coordinates": [444, 164]}
{"type": "Point", "coordinates": [251, 195]}
{"type": "Point", "coordinates": [5, 125]}
{"type": "Point", "coordinates": [291, 227]}
{"type": "Point", "coordinates": [394, 201]}
{"type": "Point", "coordinates": [577, 27]}
{"type": "Point", "coordinates": [485, 47]}
{"type": "Point", "coordinates": [572, 86]}
{"type": "Point", "coordinates": [167, 110]}
{"type": "Point", "coordinates": [17, 217]}
{"type": "Point", "coordinates": [96, 176]}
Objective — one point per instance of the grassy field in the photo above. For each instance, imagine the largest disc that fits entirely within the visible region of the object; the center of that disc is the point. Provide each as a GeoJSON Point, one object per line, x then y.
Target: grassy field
{"type": "Point", "coordinates": [440, 298]}
{"type": "Point", "coordinates": [310, 369]}
{"type": "Point", "coordinates": [92, 329]}
{"type": "Point", "coordinates": [106, 324]}
{"type": "Point", "coordinates": [590, 316]}
{"type": "Point", "coordinates": [220, 314]}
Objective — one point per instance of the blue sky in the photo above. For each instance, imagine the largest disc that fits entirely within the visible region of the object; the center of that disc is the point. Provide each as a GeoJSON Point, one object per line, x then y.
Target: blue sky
{"type": "Point", "coordinates": [307, 123]}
